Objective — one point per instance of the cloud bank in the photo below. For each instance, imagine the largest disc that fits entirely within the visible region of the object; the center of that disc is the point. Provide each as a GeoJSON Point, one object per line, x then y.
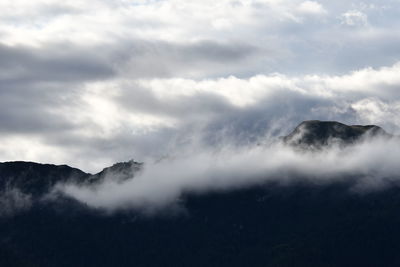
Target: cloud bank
{"type": "Point", "coordinates": [369, 165]}
{"type": "Point", "coordinates": [151, 118]}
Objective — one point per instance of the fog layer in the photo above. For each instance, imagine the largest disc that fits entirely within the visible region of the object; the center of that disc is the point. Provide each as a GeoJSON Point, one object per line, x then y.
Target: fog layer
{"type": "Point", "coordinates": [368, 165]}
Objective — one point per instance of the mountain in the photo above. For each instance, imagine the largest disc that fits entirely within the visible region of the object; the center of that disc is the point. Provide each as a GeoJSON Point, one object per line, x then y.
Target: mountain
{"type": "Point", "coordinates": [118, 172]}
{"type": "Point", "coordinates": [271, 224]}
{"type": "Point", "coordinates": [37, 179]}
{"type": "Point", "coordinates": [317, 134]}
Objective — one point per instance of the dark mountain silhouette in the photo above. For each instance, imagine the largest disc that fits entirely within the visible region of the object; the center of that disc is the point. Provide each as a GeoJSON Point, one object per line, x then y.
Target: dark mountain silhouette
{"type": "Point", "coordinates": [37, 179]}
{"type": "Point", "coordinates": [316, 134]}
{"type": "Point", "coordinates": [118, 172]}
{"type": "Point", "coordinates": [300, 224]}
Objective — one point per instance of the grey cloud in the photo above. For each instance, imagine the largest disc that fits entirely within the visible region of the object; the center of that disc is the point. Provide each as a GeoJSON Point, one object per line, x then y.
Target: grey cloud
{"type": "Point", "coordinates": [31, 121]}
{"type": "Point", "coordinates": [274, 116]}
{"type": "Point", "coordinates": [214, 120]}
{"type": "Point", "coordinates": [139, 99]}
{"type": "Point", "coordinates": [219, 52]}
{"type": "Point", "coordinates": [58, 9]}
{"type": "Point", "coordinates": [35, 109]}
{"type": "Point", "coordinates": [37, 82]}
{"type": "Point", "coordinates": [54, 62]}
{"type": "Point", "coordinates": [69, 63]}
{"type": "Point", "coordinates": [146, 59]}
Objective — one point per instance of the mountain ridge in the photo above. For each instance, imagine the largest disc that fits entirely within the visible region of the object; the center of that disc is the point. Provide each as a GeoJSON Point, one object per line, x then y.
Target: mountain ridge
{"type": "Point", "coordinates": [318, 134]}
{"type": "Point", "coordinates": [38, 178]}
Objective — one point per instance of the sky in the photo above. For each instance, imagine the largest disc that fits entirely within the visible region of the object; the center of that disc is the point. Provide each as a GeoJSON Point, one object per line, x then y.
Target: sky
{"type": "Point", "coordinates": [89, 83]}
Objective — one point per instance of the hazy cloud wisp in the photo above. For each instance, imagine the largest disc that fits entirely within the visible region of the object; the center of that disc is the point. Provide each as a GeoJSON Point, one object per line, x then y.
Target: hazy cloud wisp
{"type": "Point", "coordinates": [369, 165]}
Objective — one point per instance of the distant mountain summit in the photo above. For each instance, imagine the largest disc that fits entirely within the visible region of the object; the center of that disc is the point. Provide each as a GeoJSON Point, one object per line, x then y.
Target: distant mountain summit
{"type": "Point", "coordinates": [118, 172]}
{"type": "Point", "coordinates": [316, 134]}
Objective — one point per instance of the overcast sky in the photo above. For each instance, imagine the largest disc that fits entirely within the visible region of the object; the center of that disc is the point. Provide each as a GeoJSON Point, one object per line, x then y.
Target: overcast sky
{"type": "Point", "coordinates": [89, 83]}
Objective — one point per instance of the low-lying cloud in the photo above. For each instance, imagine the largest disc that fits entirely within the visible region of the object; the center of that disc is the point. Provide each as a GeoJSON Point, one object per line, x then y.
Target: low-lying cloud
{"type": "Point", "coordinates": [14, 201]}
{"type": "Point", "coordinates": [369, 165]}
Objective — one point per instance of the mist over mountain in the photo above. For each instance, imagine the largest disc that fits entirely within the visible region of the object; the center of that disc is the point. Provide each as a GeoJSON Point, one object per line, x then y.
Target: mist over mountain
{"type": "Point", "coordinates": [281, 204]}
{"type": "Point", "coordinates": [317, 134]}
{"type": "Point", "coordinates": [23, 184]}
{"type": "Point", "coordinates": [38, 179]}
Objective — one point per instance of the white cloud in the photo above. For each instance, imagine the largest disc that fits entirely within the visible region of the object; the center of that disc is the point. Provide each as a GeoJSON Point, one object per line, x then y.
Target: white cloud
{"type": "Point", "coordinates": [354, 18]}
{"type": "Point", "coordinates": [373, 110]}
{"type": "Point", "coordinates": [163, 183]}
{"type": "Point", "coordinates": [312, 8]}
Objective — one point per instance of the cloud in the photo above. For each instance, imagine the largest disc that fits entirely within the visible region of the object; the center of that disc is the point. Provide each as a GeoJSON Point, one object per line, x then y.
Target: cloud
{"type": "Point", "coordinates": [118, 119]}
{"type": "Point", "coordinates": [311, 8]}
{"type": "Point", "coordinates": [147, 59]}
{"type": "Point", "coordinates": [13, 201]}
{"type": "Point", "coordinates": [57, 62]}
{"type": "Point", "coordinates": [354, 18]}
{"type": "Point", "coordinates": [277, 30]}
{"type": "Point", "coordinates": [370, 165]}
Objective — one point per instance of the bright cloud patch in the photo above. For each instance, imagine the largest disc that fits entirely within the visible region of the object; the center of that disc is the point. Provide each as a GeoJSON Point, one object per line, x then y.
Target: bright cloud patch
{"type": "Point", "coordinates": [354, 18]}
{"type": "Point", "coordinates": [311, 7]}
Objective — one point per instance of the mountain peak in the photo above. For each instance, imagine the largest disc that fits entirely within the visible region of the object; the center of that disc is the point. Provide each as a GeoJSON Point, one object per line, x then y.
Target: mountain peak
{"type": "Point", "coordinates": [315, 133]}
{"type": "Point", "coordinates": [118, 172]}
